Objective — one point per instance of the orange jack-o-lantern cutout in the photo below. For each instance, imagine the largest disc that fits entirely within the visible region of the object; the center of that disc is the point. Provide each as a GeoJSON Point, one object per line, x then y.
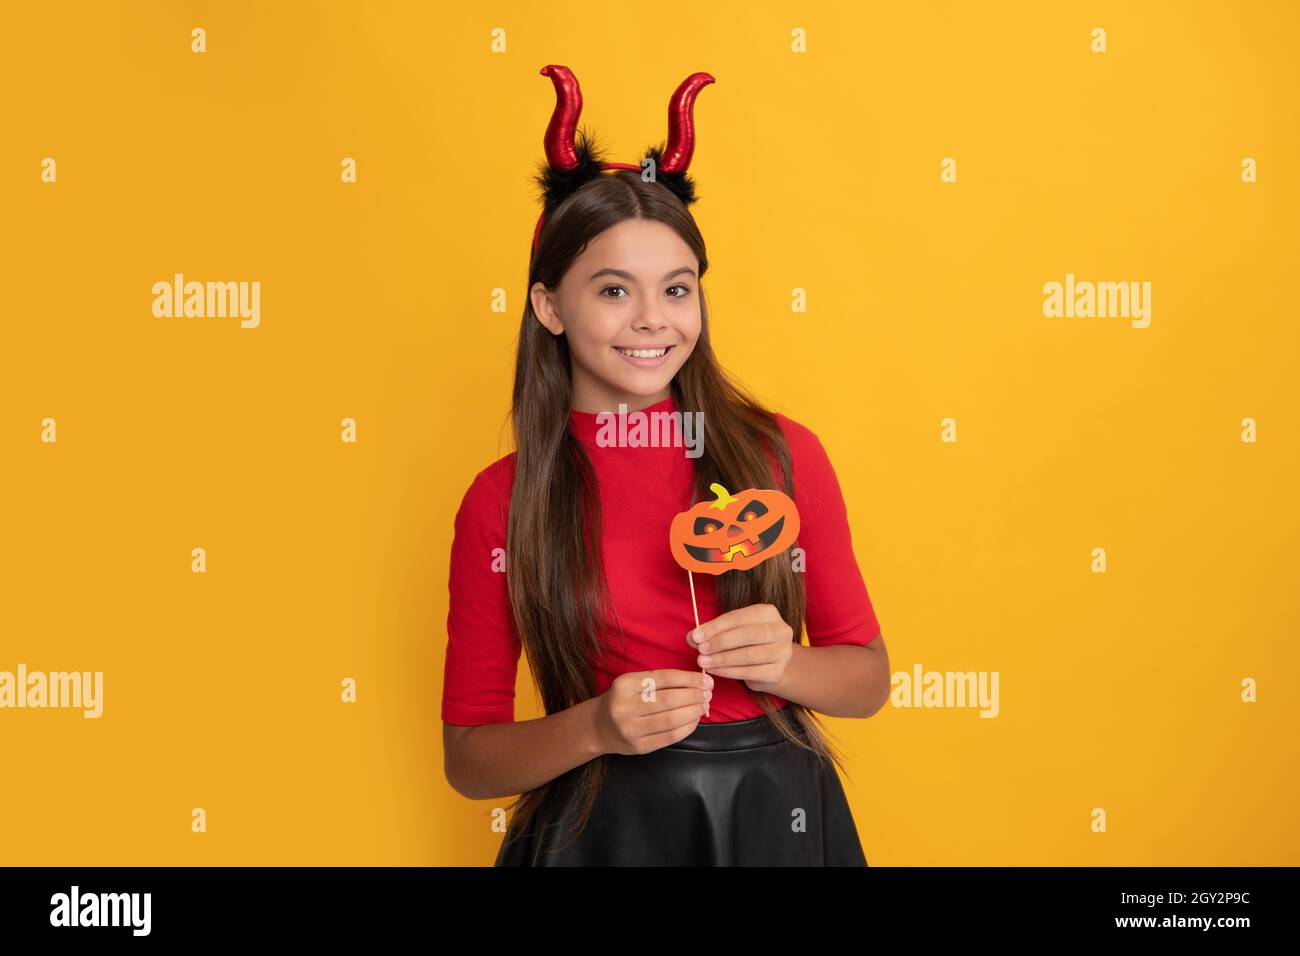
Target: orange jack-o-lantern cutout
{"type": "Point", "coordinates": [733, 532]}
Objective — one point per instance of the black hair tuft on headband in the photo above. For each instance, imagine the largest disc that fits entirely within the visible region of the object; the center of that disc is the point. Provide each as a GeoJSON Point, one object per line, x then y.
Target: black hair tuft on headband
{"type": "Point", "coordinates": [680, 183]}
{"type": "Point", "coordinates": [557, 185]}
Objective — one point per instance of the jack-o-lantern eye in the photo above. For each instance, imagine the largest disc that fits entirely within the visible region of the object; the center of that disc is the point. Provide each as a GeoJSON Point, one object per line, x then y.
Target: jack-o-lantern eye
{"type": "Point", "coordinates": [755, 509]}
{"type": "Point", "coordinates": [706, 525]}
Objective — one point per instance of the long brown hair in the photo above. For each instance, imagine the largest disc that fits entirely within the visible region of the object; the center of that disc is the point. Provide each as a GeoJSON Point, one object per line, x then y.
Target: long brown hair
{"type": "Point", "coordinates": [559, 598]}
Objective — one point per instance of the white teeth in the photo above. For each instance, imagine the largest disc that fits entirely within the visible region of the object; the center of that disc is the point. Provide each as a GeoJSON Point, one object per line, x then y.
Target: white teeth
{"type": "Point", "coordinates": [643, 353]}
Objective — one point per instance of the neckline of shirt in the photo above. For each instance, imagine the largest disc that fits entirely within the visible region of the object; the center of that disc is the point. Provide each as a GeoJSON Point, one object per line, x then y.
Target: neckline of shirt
{"type": "Point", "coordinates": [587, 425]}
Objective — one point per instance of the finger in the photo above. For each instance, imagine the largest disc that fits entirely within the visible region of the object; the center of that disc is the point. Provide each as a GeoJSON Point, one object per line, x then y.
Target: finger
{"type": "Point", "coordinates": [749, 614]}
{"type": "Point", "coordinates": [758, 673]}
{"type": "Point", "coordinates": [674, 697]}
{"type": "Point", "coordinates": [738, 657]}
{"type": "Point", "coordinates": [741, 636]}
{"type": "Point", "coordinates": [667, 678]}
{"type": "Point", "coordinates": [672, 677]}
{"type": "Point", "coordinates": [660, 741]}
{"type": "Point", "coordinates": [667, 721]}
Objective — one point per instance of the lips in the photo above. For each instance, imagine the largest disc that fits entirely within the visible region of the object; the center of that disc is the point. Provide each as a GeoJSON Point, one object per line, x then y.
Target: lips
{"type": "Point", "coordinates": [643, 351]}
{"type": "Point", "coordinates": [645, 357]}
{"type": "Point", "coordinates": [745, 547]}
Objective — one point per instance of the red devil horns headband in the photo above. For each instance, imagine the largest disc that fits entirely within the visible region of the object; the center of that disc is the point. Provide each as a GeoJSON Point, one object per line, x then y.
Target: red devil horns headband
{"type": "Point", "coordinates": [573, 158]}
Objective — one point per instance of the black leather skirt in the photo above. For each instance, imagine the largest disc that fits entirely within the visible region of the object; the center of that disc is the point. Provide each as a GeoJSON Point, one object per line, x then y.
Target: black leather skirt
{"type": "Point", "coordinates": [730, 794]}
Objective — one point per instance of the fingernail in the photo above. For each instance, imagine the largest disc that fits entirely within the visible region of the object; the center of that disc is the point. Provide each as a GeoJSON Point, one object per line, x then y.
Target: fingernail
{"type": "Point", "coordinates": [705, 660]}
{"type": "Point", "coordinates": [697, 635]}
{"type": "Point", "coordinates": [708, 680]}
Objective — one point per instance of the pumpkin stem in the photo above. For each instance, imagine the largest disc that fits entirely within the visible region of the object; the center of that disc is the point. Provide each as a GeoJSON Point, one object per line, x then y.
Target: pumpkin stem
{"type": "Point", "coordinates": [724, 497]}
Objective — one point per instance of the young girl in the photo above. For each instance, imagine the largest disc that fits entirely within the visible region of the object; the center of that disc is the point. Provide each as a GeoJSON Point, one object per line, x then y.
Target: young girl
{"type": "Point", "coordinates": [561, 549]}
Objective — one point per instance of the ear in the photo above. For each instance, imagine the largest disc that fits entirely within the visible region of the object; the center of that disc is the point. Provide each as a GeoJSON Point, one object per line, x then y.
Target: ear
{"type": "Point", "coordinates": [545, 308]}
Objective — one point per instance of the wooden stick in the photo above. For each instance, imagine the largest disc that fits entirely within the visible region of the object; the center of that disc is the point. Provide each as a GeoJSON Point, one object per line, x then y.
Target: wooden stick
{"type": "Point", "coordinates": [703, 670]}
{"type": "Point", "coordinates": [696, 609]}
{"type": "Point", "coordinates": [693, 607]}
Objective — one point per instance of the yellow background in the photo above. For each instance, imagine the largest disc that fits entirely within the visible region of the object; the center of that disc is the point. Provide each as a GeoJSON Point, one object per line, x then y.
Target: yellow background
{"type": "Point", "coordinates": [817, 171]}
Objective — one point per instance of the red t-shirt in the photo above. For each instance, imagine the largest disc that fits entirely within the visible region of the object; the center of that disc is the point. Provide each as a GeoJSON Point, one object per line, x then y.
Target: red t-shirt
{"type": "Point", "coordinates": [641, 490]}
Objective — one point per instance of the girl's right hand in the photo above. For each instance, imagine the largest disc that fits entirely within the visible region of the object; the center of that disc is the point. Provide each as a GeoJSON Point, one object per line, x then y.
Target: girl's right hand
{"type": "Point", "coordinates": [645, 710]}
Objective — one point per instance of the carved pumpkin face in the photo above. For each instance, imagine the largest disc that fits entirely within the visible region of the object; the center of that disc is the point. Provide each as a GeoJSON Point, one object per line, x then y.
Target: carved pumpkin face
{"type": "Point", "coordinates": [733, 532]}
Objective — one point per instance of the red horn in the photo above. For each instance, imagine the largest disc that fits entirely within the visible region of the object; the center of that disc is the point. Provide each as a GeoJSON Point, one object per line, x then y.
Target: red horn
{"type": "Point", "coordinates": [681, 123]}
{"type": "Point", "coordinates": [560, 150]}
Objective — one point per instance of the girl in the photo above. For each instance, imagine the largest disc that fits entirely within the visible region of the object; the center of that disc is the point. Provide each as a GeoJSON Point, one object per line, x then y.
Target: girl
{"type": "Point", "coordinates": [663, 744]}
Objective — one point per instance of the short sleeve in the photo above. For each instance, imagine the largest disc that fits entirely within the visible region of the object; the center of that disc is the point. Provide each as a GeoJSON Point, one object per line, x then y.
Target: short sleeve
{"type": "Point", "coordinates": [839, 609]}
{"type": "Point", "coordinates": [482, 648]}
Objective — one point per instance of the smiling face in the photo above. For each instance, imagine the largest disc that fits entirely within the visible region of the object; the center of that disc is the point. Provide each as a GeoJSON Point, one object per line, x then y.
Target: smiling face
{"type": "Point", "coordinates": [630, 308]}
{"type": "Point", "coordinates": [733, 532]}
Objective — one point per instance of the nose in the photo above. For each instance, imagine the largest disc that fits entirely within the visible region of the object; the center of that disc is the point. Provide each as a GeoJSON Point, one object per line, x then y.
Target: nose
{"type": "Point", "coordinates": [734, 531]}
{"type": "Point", "coordinates": [648, 320]}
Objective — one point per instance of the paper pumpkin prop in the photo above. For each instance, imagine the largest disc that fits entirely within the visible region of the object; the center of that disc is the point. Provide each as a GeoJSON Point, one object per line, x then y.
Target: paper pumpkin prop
{"type": "Point", "coordinates": [733, 532]}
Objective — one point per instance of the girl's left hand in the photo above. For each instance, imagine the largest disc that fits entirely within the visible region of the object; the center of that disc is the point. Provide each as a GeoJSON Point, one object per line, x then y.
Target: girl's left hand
{"type": "Point", "coordinates": [753, 644]}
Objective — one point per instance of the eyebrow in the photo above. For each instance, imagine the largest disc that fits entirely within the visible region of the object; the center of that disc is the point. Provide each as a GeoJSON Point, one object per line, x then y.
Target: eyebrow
{"type": "Point", "coordinates": [631, 278]}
